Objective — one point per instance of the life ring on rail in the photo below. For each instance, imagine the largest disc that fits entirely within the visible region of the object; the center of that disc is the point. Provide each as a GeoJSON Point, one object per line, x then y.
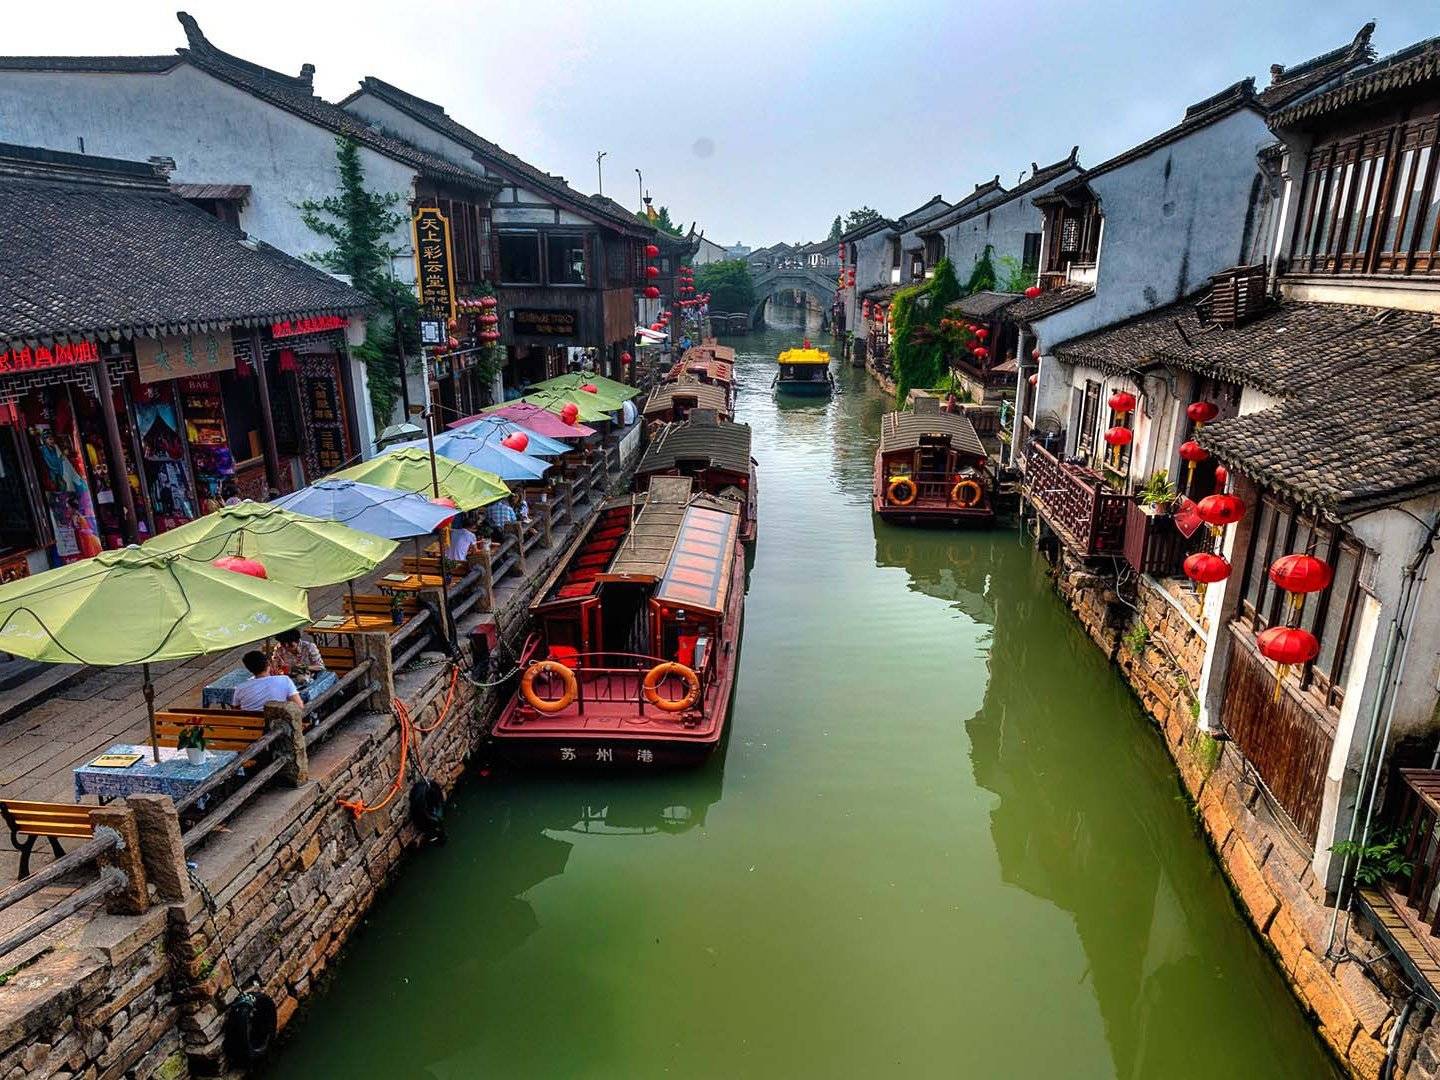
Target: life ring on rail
{"type": "Point", "coordinates": [549, 705]}
{"type": "Point", "coordinates": [250, 1025]}
{"type": "Point", "coordinates": [658, 674]}
{"type": "Point", "coordinates": [966, 493]}
{"type": "Point", "coordinates": [899, 484]}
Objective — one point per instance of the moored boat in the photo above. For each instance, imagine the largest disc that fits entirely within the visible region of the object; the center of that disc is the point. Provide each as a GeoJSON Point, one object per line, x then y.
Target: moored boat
{"type": "Point", "coordinates": [715, 453]}
{"type": "Point", "coordinates": [635, 637]}
{"type": "Point", "coordinates": [804, 371]}
{"type": "Point", "coordinates": [931, 468]}
{"type": "Point", "coordinates": [673, 400]}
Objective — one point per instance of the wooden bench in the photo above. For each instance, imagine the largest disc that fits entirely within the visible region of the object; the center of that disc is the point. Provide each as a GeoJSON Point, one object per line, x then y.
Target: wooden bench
{"type": "Point", "coordinates": [374, 605]}
{"type": "Point", "coordinates": [225, 729]}
{"type": "Point", "coordinates": [338, 658]}
{"type": "Point", "coordinates": [33, 820]}
{"type": "Point", "coordinates": [424, 565]}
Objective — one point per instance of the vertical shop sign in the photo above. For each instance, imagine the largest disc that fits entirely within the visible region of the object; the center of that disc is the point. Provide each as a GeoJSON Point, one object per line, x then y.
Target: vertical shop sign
{"type": "Point", "coordinates": [434, 262]}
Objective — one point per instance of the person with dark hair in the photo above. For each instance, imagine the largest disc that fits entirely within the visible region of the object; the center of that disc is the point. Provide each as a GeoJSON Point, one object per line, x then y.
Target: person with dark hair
{"type": "Point", "coordinates": [262, 687]}
{"type": "Point", "coordinates": [294, 655]}
{"type": "Point", "coordinates": [229, 493]}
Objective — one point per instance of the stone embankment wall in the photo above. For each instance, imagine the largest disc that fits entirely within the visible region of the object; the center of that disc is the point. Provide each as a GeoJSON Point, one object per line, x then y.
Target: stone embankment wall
{"type": "Point", "coordinates": [1354, 995]}
{"type": "Point", "coordinates": [284, 886]}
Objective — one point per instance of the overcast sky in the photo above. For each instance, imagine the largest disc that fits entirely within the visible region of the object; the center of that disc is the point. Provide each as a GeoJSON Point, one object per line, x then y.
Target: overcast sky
{"type": "Point", "coordinates": [763, 119]}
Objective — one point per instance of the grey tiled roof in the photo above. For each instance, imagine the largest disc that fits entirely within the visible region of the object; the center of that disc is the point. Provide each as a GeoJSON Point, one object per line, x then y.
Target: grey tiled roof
{"type": "Point", "coordinates": [1039, 177]}
{"type": "Point", "coordinates": [91, 255]}
{"type": "Point", "coordinates": [1289, 83]}
{"type": "Point", "coordinates": [982, 305]}
{"type": "Point", "coordinates": [497, 157]}
{"type": "Point", "coordinates": [1026, 310]}
{"type": "Point", "coordinates": [904, 430]}
{"type": "Point", "coordinates": [95, 64]}
{"type": "Point", "coordinates": [1412, 66]}
{"type": "Point", "coordinates": [1358, 424]}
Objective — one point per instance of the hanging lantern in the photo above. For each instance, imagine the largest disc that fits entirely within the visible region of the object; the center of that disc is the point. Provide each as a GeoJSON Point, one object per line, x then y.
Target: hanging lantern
{"type": "Point", "coordinates": [1201, 412]}
{"type": "Point", "coordinates": [1034, 354]}
{"type": "Point", "coordinates": [452, 343]}
{"type": "Point", "coordinates": [655, 327]}
{"type": "Point", "coordinates": [982, 333]}
{"type": "Point", "coordinates": [489, 336]}
{"type": "Point", "coordinates": [1206, 568]}
{"type": "Point", "coordinates": [625, 358]}
{"type": "Point", "coordinates": [1035, 379]}
{"type": "Point", "coordinates": [1222, 477]}
{"type": "Point", "coordinates": [1217, 511]}
{"type": "Point", "coordinates": [652, 271]}
{"type": "Point", "coordinates": [1301, 574]}
{"type": "Point", "coordinates": [1190, 453]}
{"type": "Point", "coordinates": [1286, 646]}
{"type": "Point", "coordinates": [1122, 402]}
{"type": "Point", "coordinates": [489, 319]}
{"type": "Point", "coordinates": [241, 565]}
{"type": "Point", "coordinates": [570, 413]}
{"type": "Point", "coordinates": [516, 440]}
{"type": "Point", "coordinates": [651, 251]}
{"type": "Point", "coordinates": [981, 353]}
{"type": "Point", "coordinates": [1032, 292]}
{"type": "Point", "coordinates": [651, 292]}
{"type": "Point", "coordinates": [1119, 436]}
{"type": "Point", "coordinates": [488, 302]}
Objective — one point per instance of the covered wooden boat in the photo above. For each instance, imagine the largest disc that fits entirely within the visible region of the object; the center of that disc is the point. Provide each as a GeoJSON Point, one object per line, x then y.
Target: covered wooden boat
{"type": "Point", "coordinates": [804, 371]}
{"type": "Point", "coordinates": [635, 637]}
{"type": "Point", "coordinates": [672, 401]}
{"type": "Point", "coordinates": [714, 453]}
{"type": "Point", "coordinates": [931, 468]}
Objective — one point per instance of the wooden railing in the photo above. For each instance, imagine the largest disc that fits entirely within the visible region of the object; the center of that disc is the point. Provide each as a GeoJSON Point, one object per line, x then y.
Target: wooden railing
{"type": "Point", "coordinates": [1077, 503]}
{"type": "Point", "coordinates": [1154, 545]}
{"type": "Point", "coordinates": [1411, 892]}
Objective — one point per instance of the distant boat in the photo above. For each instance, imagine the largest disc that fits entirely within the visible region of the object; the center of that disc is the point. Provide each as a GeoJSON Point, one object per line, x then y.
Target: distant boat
{"type": "Point", "coordinates": [633, 648]}
{"type": "Point", "coordinates": [804, 371]}
{"type": "Point", "coordinates": [932, 469]}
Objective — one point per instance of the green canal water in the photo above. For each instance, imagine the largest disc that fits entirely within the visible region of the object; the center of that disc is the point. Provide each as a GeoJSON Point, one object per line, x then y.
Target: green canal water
{"type": "Point", "coordinates": [942, 842]}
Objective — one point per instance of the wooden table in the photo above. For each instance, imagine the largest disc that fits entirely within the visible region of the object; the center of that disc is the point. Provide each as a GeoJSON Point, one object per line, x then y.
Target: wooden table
{"type": "Point", "coordinates": [350, 624]}
{"type": "Point", "coordinates": [409, 583]}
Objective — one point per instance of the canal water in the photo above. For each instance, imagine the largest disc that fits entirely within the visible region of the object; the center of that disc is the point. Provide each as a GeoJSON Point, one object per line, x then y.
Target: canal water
{"type": "Point", "coordinates": [942, 842]}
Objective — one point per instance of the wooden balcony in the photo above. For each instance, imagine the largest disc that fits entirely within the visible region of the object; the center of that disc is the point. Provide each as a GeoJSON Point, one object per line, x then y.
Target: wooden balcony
{"type": "Point", "coordinates": [1077, 503]}
{"type": "Point", "coordinates": [1405, 908]}
{"type": "Point", "coordinates": [1153, 545]}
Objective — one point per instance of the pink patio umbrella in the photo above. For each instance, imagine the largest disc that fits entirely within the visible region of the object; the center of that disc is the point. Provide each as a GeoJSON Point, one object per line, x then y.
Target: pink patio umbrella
{"type": "Point", "coordinates": [541, 421]}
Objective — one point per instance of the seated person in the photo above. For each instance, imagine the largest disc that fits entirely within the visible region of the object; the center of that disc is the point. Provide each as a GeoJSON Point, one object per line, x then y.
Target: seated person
{"type": "Point", "coordinates": [462, 539]}
{"type": "Point", "coordinates": [262, 687]}
{"type": "Point", "coordinates": [499, 514]}
{"type": "Point", "coordinates": [294, 655]}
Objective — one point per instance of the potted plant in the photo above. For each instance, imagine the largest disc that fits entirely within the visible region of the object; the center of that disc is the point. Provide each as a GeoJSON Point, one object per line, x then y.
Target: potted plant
{"type": "Point", "coordinates": [192, 741]}
{"type": "Point", "coordinates": [1159, 493]}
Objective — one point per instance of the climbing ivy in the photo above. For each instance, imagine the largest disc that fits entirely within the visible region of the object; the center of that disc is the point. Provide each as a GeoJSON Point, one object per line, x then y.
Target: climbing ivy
{"type": "Point", "coordinates": [982, 277]}
{"type": "Point", "coordinates": [918, 346]}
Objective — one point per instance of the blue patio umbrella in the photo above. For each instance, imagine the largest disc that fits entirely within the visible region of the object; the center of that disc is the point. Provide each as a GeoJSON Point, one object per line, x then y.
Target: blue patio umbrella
{"type": "Point", "coordinates": [382, 511]}
{"type": "Point", "coordinates": [541, 446]}
{"type": "Point", "coordinates": [482, 450]}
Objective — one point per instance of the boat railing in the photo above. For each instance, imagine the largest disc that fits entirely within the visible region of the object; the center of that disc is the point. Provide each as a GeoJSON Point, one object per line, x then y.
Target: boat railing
{"type": "Point", "coordinates": [608, 677]}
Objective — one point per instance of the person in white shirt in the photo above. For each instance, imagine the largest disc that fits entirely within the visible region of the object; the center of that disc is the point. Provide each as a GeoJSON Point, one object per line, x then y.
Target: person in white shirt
{"type": "Point", "coordinates": [461, 541]}
{"type": "Point", "coordinates": [262, 687]}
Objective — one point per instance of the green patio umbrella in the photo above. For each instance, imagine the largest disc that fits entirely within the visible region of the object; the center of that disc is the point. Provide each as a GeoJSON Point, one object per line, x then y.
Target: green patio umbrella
{"type": "Point", "coordinates": [608, 388]}
{"type": "Point", "coordinates": [409, 469]}
{"type": "Point", "coordinates": [295, 549]}
{"type": "Point", "coordinates": [592, 407]}
{"type": "Point", "coordinates": [133, 606]}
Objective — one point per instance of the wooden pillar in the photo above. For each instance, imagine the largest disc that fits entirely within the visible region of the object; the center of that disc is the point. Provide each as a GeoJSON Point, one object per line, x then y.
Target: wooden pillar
{"type": "Point", "coordinates": [119, 478]}
{"type": "Point", "coordinates": [267, 418]}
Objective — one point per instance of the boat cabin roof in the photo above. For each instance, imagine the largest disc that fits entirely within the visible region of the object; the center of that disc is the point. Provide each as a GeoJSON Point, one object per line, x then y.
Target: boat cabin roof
{"type": "Point", "coordinates": [681, 541]}
{"type": "Point", "coordinates": [702, 437]}
{"type": "Point", "coordinates": [716, 361]}
{"type": "Point", "coordinates": [804, 356]}
{"type": "Point", "coordinates": [905, 430]}
{"type": "Point", "coordinates": [705, 396]}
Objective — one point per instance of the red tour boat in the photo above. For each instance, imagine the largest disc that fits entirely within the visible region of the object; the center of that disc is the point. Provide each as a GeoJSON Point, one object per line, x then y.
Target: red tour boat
{"type": "Point", "coordinates": [635, 637]}
{"type": "Point", "coordinates": [931, 468]}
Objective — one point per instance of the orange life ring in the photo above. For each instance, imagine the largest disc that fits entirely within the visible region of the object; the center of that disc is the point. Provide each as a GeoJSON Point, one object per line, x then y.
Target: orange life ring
{"type": "Point", "coordinates": [975, 491]}
{"type": "Point", "coordinates": [898, 483]}
{"type": "Point", "coordinates": [658, 674]}
{"type": "Point", "coordinates": [560, 671]}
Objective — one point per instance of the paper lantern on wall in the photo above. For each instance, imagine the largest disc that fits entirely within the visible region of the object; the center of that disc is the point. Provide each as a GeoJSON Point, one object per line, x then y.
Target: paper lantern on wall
{"type": "Point", "coordinates": [1222, 477]}
{"type": "Point", "coordinates": [1119, 436]}
{"type": "Point", "coordinates": [625, 358]}
{"type": "Point", "coordinates": [652, 271]}
{"type": "Point", "coordinates": [1286, 646]}
{"type": "Point", "coordinates": [1122, 402]}
{"type": "Point", "coordinates": [1299, 575]}
{"type": "Point", "coordinates": [1190, 453]}
{"type": "Point", "coordinates": [1206, 568]}
{"type": "Point", "coordinates": [1217, 511]}
{"type": "Point", "coordinates": [1201, 412]}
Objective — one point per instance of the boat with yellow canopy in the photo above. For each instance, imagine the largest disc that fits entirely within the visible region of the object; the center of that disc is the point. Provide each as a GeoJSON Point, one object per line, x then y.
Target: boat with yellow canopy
{"type": "Point", "coordinates": [804, 371]}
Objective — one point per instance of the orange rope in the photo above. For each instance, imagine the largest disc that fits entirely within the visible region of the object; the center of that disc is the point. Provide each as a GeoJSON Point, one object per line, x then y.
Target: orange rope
{"type": "Point", "coordinates": [359, 807]}
{"type": "Point", "coordinates": [444, 709]}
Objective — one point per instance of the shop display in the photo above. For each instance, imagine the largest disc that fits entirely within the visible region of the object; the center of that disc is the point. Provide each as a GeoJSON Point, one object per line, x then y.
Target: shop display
{"type": "Point", "coordinates": [162, 450]}
{"type": "Point", "coordinates": [210, 457]}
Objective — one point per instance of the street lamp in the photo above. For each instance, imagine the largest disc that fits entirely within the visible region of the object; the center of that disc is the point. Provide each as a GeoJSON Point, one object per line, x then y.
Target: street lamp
{"type": "Point", "coordinates": [599, 173]}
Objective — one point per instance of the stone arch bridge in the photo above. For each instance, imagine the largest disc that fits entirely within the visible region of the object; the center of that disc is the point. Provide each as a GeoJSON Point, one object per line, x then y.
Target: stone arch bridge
{"type": "Point", "coordinates": [817, 282]}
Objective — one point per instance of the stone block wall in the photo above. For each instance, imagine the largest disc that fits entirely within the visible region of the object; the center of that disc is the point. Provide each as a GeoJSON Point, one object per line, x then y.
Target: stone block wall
{"type": "Point", "coordinates": [1355, 995]}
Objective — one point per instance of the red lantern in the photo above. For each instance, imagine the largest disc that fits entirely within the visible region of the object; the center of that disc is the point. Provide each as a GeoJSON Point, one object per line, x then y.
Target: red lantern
{"type": "Point", "coordinates": [1201, 412]}
{"type": "Point", "coordinates": [1206, 568]}
{"type": "Point", "coordinates": [240, 565]}
{"type": "Point", "coordinates": [1122, 401]}
{"type": "Point", "coordinates": [652, 271]}
{"type": "Point", "coordinates": [981, 352]}
{"type": "Point", "coordinates": [625, 358]}
{"type": "Point", "coordinates": [590, 388]}
{"type": "Point", "coordinates": [1286, 646]}
{"type": "Point", "coordinates": [1301, 573]}
{"type": "Point", "coordinates": [982, 333]}
{"type": "Point", "coordinates": [1035, 379]}
{"type": "Point", "coordinates": [1032, 292]}
{"type": "Point", "coordinates": [1119, 436]}
{"type": "Point", "coordinates": [1190, 453]}
{"type": "Point", "coordinates": [1034, 354]}
{"type": "Point", "coordinates": [651, 292]}
{"type": "Point", "coordinates": [453, 343]}
{"type": "Point", "coordinates": [570, 413]}
{"type": "Point", "coordinates": [517, 441]}
{"type": "Point", "coordinates": [1220, 510]}
{"type": "Point", "coordinates": [490, 336]}
{"type": "Point", "coordinates": [656, 327]}
{"type": "Point", "coordinates": [651, 251]}
{"type": "Point", "coordinates": [488, 302]}
{"type": "Point", "coordinates": [1222, 477]}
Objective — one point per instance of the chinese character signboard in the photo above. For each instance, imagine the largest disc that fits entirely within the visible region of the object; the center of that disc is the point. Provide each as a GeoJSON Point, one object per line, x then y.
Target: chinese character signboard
{"type": "Point", "coordinates": [18, 361]}
{"type": "Point", "coordinates": [314, 324]}
{"type": "Point", "coordinates": [434, 266]}
{"type": "Point", "coordinates": [542, 322]}
{"type": "Point", "coordinates": [163, 358]}
{"type": "Point", "coordinates": [327, 446]}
